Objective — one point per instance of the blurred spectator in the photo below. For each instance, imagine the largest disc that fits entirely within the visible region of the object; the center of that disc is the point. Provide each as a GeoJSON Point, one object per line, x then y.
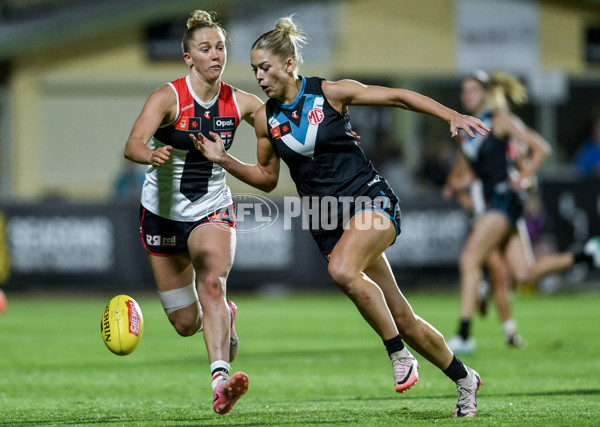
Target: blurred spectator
{"type": "Point", "coordinates": [128, 183]}
{"type": "Point", "coordinates": [587, 158]}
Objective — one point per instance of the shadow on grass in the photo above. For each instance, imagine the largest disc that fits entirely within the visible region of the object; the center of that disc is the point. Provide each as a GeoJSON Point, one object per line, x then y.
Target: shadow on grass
{"type": "Point", "coordinates": [582, 392]}
{"type": "Point", "coordinates": [298, 416]}
{"type": "Point", "coordinates": [260, 418]}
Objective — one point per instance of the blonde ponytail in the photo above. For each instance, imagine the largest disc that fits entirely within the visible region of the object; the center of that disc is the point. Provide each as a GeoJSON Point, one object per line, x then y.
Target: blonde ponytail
{"type": "Point", "coordinates": [283, 41]}
{"type": "Point", "coordinates": [503, 87]}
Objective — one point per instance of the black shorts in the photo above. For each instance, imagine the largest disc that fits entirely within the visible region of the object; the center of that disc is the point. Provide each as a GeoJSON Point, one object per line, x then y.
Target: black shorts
{"type": "Point", "coordinates": [379, 198]}
{"type": "Point", "coordinates": [165, 237]}
{"type": "Point", "coordinates": [508, 203]}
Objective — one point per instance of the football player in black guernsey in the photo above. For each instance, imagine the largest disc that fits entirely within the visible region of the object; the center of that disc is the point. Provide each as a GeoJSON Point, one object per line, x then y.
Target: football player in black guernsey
{"type": "Point", "coordinates": [306, 123]}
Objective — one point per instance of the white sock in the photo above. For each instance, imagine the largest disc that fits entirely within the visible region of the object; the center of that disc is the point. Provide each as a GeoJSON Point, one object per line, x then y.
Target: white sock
{"type": "Point", "coordinates": [220, 371]}
{"type": "Point", "coordinates": [509, 327]}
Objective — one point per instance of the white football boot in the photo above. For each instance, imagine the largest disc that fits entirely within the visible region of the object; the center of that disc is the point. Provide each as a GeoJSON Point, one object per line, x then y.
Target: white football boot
{"type": "Point", "coordinates": [467, 394]}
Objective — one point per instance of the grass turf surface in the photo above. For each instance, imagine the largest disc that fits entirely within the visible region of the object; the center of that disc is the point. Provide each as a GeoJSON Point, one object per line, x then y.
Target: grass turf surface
{"type": "Point", "coordinates": [311, 360]}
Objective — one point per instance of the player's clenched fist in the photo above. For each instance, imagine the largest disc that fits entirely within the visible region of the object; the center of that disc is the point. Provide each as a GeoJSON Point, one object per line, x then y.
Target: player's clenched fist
{"type": "Point", "coordinates": [159, 156]}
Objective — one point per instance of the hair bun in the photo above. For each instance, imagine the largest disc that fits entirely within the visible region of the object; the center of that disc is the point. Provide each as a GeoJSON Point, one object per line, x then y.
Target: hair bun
{"type": "Point", "coordinates": [284, 41]}
{"type": "Point", "coordinates": [200, 17]}
{"type": "Point", "coordinates": [198, 20]}
{"type": "Point", "coordinates": [286, 25]}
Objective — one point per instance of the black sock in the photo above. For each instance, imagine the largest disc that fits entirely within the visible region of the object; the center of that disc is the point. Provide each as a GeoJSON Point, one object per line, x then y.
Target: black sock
{"type": "Point", "coordinates": [393, 345]}
{"type": "Point", "coordinates": [464, 330]}
{"type": "Point", "coordinates": [456, 370]}
{"type": "Point", "coordinates": [579, 256]}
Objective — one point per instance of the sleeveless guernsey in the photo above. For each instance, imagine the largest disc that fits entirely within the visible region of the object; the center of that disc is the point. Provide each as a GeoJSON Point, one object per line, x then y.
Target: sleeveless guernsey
{"type": "Point", "coordinates": [188, 187]}
{"type": "Point", "coordinates": [316, 143]}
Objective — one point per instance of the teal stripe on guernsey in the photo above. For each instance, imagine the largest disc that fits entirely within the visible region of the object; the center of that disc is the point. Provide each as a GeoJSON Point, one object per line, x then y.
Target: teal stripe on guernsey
{"type": "Point", "coordinates": [316, 142]}
{"type": "Point", "coordinates": [298, 98]}
{"type": "Point", "coordinates": [302, 137]}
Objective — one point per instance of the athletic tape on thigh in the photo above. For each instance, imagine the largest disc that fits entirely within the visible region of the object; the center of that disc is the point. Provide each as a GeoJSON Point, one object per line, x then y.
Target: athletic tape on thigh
{"type": "Point", "coordinates": [177, 299]}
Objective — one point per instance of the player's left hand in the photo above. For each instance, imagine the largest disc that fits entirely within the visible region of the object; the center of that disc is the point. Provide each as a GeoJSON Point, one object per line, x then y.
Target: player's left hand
{"type": "Point", "coordinates": [468, 124]}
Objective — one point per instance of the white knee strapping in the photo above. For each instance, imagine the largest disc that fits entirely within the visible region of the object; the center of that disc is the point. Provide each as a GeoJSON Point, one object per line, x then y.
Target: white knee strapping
{"type": "Point", "coordinates": [177, 299]}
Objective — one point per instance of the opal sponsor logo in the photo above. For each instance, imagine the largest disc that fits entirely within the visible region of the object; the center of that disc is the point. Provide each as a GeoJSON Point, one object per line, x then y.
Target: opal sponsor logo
{"type": "Point", "coordinates": [224, 123]}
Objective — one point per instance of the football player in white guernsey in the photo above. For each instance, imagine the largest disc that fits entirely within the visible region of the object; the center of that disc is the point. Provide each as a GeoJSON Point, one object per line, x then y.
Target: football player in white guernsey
{"type": "Point", "coordinates": [357, 263]}
{"type": "Point", "coordinates": [186, 203]}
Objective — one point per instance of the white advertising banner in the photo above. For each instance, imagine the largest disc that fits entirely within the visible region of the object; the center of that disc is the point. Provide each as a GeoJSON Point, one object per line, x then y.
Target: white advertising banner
{"type": "Point", "coordinates": [497, 34]}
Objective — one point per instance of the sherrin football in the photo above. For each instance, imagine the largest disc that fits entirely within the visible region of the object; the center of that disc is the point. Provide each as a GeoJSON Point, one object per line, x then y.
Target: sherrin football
{"type": "Point", "coordinates": [122, 325]}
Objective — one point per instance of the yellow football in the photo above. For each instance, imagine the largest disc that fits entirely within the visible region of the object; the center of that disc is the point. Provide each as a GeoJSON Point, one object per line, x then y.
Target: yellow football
{"type": "Point", "coordinates": [122, 325]}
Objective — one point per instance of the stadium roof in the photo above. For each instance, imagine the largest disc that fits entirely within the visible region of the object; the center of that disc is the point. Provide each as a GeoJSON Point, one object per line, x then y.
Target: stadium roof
{"type": "Point", "coordinates": [52, 21]}
{"type": "Point", "coordinates": [36, 24]}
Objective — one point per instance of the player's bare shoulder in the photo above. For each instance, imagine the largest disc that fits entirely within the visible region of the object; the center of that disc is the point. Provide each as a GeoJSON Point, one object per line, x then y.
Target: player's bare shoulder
{"type": "Point", "coordinates": [164, 95]}
{"type": "Point", "coordinates": [163, 101]}
{"type": "Point", "coordinates": [260, 122]}
{"type": "Point", "coordinates": [341, 92]}
{"type": "Point", "coordinates": [247, 102]}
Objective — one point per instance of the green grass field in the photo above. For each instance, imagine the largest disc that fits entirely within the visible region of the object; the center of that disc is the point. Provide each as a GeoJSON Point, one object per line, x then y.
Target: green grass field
{"type": "Point", "coordinates": [311, 360]}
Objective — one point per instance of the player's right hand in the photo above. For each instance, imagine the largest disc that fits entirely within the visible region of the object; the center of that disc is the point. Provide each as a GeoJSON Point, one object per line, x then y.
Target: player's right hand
{"type": "Point", "coordinates": [160, 155]}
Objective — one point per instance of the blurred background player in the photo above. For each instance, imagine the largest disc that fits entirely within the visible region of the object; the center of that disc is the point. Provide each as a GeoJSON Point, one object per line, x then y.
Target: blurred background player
{"type": "Point", "coordinates": [186, 213]}
{"type": "Point", "coordinates": [306, 123]}
{"type": "Point", "coordinates": [505, 180]}
{"type": "Point", "coordinates": [496, 277]}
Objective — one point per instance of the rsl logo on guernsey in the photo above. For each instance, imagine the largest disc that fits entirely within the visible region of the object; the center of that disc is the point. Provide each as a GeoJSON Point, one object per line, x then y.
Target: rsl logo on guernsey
{"type": "Point", "coordinates": [300, 138]}
{"type": "Point", "coordinates": [281, 130]}
{"type": "Point", "coordinates": [188, 123]}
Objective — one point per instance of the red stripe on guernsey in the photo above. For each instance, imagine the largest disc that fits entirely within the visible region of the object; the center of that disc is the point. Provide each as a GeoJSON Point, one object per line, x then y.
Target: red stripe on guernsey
{"type": "Point", "coordinates": [185, 109]}
{"type": "Point", "coordinates": [227, 103]}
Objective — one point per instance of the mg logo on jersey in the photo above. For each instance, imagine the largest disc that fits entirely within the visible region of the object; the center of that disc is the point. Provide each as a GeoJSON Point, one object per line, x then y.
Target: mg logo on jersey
{"type": "Point", "coordinates": [315, 116]}
{"type": "Point", "coordinates": [224, 123]}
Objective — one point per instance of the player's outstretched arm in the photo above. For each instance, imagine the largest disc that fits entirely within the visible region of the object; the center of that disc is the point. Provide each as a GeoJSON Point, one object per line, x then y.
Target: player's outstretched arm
{"type": "Point", "coordinates": [263, 175]}
{"type": "Point", "coordinates": [350, 92]}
